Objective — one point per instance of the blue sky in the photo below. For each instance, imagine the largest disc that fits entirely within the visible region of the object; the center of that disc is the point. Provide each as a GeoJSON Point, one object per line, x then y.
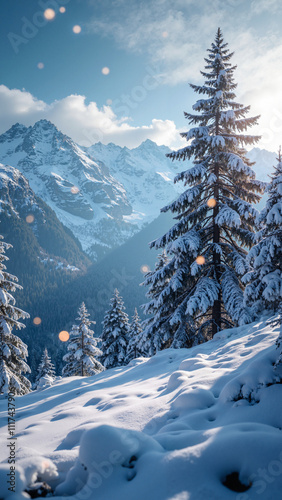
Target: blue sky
{"type": "Point", "coordinates": [152, 49]}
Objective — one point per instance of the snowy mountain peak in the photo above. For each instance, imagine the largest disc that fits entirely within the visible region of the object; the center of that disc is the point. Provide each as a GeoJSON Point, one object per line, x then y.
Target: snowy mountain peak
{"type": "Point", "coordinates": [85, 197]}
{"type": "Point", "coordinates": [15, 131]}
{"type": "Point", "coordinates": [147, 144]}
{"type": "Point", "coordinates": [44, 124]}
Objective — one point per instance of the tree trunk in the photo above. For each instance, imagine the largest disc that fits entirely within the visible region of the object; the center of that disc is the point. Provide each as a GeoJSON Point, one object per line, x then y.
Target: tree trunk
{"type": "Point", "coordinates": [216, 309]}
{"type": "Point", "coordinates": [82, 348]}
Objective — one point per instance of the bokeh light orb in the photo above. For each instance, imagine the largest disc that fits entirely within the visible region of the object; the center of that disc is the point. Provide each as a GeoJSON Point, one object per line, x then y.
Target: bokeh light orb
{"type": "Point", "coordinates": [40, 65]}
{"type": "Point", "coordinates": [164, 34]}
{"type": "Point", "coordinates": [200, 260]}
{"type": "Point", "coordinates": [76, 29]}
{"type": "Point", "coordinates": [49, 14]}
{"type": "Point", "coordinates": [211, 203]}
{"type": "Point", "coordinates": [29, 219]}
{"type": "Point", "coordinates": [64, 336]}
{"type": "Point", "coordinates": [62, 10]}
{"type": "Point", "coordinates": [105, 70]}
{"type": "Point", "coordinates": [45, 464]}
{"type": "Point", "coordinates": [74, 190]}
{"type": "Point", "coordinates": [37, 321]}
{"type": "Point", "coordinates": [145, 269]}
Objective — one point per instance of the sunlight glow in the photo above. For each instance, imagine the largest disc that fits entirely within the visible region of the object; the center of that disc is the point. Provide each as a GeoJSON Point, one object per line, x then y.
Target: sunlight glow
{"type": "Point", "coordinates": [76, 29]}
{"type": "Point", "coordinates": [200, 260]}
{"type": "Point", "coordinates": [49, 14]}
{"type": "Point", "coordinates": [64, 336]}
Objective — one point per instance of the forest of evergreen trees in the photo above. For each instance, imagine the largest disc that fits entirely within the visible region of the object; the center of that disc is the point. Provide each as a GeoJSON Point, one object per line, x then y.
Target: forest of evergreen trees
{"type": "Point", "coordinates": [220, 263]}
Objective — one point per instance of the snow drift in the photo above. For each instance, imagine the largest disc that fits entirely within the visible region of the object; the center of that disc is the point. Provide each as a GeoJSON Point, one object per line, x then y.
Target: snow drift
{"type": "Point", "coordinates": [197, 424]}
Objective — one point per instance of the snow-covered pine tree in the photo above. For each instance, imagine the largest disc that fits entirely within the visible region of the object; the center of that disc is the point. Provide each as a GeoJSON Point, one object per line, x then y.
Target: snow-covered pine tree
{"type": "Point", "coordinates": [82, 349]}
{"type": "Point", "coordinates": [279, 339]}
{"type": "Point", "coordinates": [264, 289]}
{"type": "Point", "coordinates": [46, 371]}
{"type": "Point", "coordinates": [155, 337]}
{"type": "Point", "coordinates": [13, 351]}
{"type": "Point", "coordinates": [115, 333]}
{"type": "Point", "coordinates": [215, 216]}
{"type": "Point", "coordinates": [134, 347]}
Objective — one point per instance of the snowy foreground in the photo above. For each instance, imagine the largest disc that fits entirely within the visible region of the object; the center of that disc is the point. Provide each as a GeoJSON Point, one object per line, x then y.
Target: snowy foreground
{"type": "Point", "coordinates": [173, 427]}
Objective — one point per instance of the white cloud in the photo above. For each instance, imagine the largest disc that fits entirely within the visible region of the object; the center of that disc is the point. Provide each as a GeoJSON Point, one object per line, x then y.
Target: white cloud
{"type": "Point", "coordinates": [261, 6]}
{"type": "Point", "coordinates": [84, 123]}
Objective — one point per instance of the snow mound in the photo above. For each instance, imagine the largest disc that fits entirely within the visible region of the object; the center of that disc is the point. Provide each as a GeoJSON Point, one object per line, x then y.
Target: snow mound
{"type": "Point", "coordinates": [187, 424]}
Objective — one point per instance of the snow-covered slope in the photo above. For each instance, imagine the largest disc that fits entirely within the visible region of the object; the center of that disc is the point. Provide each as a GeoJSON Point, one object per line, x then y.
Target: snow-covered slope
{"type": "Point", "coordinates": [191, 424]}
{"type": "Point", "coordinates": [16, 194]}
{"type": "Point", "coordinates": [85, 197]}
{"type": "Point", "coordinates": [146, 174]}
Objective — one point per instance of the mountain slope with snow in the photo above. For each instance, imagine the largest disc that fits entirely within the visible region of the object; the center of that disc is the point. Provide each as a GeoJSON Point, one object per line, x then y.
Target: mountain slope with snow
{"type": "Point", "coordinates": [187, 424]}
{"type": "Point", "coordinates": [85, 197]}
{"type": "Point", "coordinates": [146, 174]}
{"type": "Point", "coordinates": [105, 194]}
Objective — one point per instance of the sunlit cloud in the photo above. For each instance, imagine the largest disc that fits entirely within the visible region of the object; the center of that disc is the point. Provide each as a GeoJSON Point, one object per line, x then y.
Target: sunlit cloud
{"type": "Point", "coordinates": [85, 123]}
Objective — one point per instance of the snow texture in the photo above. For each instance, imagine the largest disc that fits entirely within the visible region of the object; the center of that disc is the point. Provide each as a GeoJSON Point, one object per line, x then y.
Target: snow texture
{"type": "Point", "coordinates": [171, 427]}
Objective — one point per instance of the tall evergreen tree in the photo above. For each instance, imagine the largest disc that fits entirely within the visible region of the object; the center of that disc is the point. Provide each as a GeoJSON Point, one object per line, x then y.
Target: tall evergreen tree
{"type": "Point", "coordinates": [13, 352]}
{"type": "Point", "coordinates": [264, 289]}
{"type": "Point", "coordinates": [215, 216]}
{"type": "Point", "coordinates": [157, 331]}
{"type": "Point", "coordinates": [134, 347]}
{"type": "Point", "coordinates": [46, 370]}
{"type": "Point", "coordinates": [82, 348]}
{"type": "Point", "coordinates": [115, 333]}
